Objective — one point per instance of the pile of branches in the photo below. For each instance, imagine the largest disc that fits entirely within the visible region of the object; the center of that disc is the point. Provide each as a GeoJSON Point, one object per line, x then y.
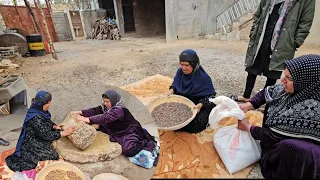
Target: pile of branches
{"type": "Point", "coordinates": [105, 29]}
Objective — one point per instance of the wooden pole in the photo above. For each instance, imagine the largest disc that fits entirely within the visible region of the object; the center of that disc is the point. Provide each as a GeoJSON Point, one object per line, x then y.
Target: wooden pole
{"type": "Point", "coordinates": [52, 50]}
{"type": "Point", "coordinates": [49, 6]}
{"type": "Point", "coordinates": [33, 17]}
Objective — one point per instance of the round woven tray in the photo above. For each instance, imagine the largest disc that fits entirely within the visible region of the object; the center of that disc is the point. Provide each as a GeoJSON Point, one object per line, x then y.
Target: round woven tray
{"type": "Point", "coordinates": [59, 165]}
{"type": "Point", "coordinates": [173, 98]}
{"type": "Point", "coordinates": [109, 176]}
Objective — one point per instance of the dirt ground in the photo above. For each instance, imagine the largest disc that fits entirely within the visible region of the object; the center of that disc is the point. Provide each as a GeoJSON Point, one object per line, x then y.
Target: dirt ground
{"type": "Point", "coordinates": [131, 59]}
{"type": "Point", "coordinates": [120, 63]}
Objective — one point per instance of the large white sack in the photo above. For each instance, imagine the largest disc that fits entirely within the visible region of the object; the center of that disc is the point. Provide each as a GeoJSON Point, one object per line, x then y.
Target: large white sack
{"type": "Point", "coordinates": [237, 149]}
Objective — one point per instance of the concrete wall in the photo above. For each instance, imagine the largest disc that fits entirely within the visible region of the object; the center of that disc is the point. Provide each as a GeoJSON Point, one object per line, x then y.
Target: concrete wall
{"type": "Point", "coordinates": [149, 17]}
{"type": "Point", "coordinates": [314, 36]}
{"type": "Point", "coordinates": [189, 18]}
{"type": "Point", "coordinates": [62, 26]}
{"type": "Point", "coordinates": [214, 9]}
{"type": "Point", "coordinates": [192, 18]}
{"type": "Point", "coordinates": [89, 16]}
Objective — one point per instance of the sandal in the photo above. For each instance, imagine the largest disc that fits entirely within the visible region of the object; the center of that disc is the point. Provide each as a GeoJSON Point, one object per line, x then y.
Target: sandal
{"type": "Point", "coordinates": [4, 142]}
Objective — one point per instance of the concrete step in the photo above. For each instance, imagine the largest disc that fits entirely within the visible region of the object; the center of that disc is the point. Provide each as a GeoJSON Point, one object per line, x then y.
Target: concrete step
{"type": "Point", "coordinates": [232, 36]}
{"type": "Point", "coordinates": [216, 36]}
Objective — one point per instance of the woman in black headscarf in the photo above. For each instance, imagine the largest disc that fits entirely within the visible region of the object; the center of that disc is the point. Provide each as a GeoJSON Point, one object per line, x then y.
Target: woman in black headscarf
{"type": "Point", "coordinates": [192, 82]}
{"type": "Point", "coordinates": [37, 134]}
{"type": "Point", "coordinates": [290, 134]}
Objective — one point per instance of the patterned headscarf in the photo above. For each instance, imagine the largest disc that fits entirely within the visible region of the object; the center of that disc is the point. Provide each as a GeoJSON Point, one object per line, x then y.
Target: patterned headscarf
{"type": "Point", "coordinates": [297, 114]}
{"type": "Point", "coordinates": [284, 9]}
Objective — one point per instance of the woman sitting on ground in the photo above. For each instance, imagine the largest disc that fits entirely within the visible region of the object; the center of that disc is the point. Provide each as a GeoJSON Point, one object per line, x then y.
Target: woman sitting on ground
{"type": "Point", "coordinates": [290, 134]}
{"type": "Point", "coordinates": [192, 82]}
{"type": "Point", "coordinates": [116, 120]}
{"type": "Point", "coordinates": [36, 137]}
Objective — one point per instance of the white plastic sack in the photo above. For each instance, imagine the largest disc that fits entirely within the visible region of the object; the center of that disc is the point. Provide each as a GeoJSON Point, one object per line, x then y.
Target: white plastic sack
{"type": "Point", "coordinates": [237, 149]}
{"type": "Point", "coordinates": [19, 176]}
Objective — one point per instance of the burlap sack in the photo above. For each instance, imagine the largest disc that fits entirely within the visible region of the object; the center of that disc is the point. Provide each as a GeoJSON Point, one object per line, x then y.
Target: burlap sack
{"type": "Point", "coordinates": [84, 134]}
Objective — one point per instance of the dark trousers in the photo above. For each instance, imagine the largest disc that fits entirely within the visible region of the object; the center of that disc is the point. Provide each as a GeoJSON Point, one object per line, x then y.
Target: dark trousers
{"type": "Point", "coordinates": [251, 79]}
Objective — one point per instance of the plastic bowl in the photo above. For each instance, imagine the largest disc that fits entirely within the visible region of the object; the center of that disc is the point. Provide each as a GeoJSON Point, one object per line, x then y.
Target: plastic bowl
{"type": "Point", "coordinates": [173, 98]}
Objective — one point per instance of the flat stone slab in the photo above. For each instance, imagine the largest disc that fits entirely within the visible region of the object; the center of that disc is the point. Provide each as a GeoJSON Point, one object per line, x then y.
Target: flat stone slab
{"type": "Point", "coordinates": [100, 150]}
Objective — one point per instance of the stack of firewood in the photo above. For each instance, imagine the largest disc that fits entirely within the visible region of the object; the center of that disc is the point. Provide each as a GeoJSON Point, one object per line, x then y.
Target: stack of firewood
{"type": "Point", "coordinates": [105, 29]}
{"type": "Point", "coordinates": [9, 52]}
{"type": "Point", "coordinates": [9, 60]}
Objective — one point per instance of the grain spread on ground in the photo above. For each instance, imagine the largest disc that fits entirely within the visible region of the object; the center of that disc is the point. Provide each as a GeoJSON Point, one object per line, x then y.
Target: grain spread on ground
{"type": "Point", "coordinates": [60, 174]}
{"type": "Point", "coordinates": [171, 114]}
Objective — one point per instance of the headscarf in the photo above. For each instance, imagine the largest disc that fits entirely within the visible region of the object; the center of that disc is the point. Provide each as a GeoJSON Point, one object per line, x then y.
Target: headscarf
{"type": "Point", "coordinates": [297, 114]}
{"type": "Point", "coordinates": [190, 56]}
{"type": "Point", "coordinates": [114, 97]}
{"type": "Point", "coordinates": [36, 108]}
{"type": "Point", "coordinates": [198, 83]}
{"type": "Point", "coordinates": [283, 11]}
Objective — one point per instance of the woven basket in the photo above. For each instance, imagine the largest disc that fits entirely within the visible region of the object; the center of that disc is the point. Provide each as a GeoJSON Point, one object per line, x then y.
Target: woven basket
{"type": "Point", "coordinates": [59, 165]}
{"type": "Point", "coordinates": [173, 98]}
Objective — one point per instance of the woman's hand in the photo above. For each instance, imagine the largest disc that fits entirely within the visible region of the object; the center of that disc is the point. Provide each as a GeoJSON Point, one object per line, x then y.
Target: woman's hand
{"type": "Point", "coordinates": [68, 131]}
{"type": "Point", "coordinates": [198, 107]}
{"type": "Point", "coordinates": [59, 127]}
{"type": "Point", "coordinates": [246, 107]}
{"type": "Point", "coordinates": [170, 92]}
{"type": "Point", "coordinates": [75, 113]}
{"type": "Point", "coordinates": [244, 125]}
{"type": "Point", "coordinates": [83, 119]}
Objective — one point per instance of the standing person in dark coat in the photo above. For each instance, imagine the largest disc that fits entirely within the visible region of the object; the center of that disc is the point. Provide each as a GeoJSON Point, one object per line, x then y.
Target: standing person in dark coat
{"type": "Point", "coordinates": [37, 134]}
{"type": "Point", "coordinates": [290, 134]}
{"type": "Point", "coordinates": [279, 28]}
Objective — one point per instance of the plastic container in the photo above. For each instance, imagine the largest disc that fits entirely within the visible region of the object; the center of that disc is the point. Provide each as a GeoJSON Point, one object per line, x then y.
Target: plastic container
{"type": "Point", "coordinates": [35, 45]}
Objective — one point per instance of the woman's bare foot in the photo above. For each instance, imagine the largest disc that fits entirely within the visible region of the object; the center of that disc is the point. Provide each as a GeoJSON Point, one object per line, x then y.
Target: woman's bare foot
{"type": "Point", "coordinates": [241, 98]}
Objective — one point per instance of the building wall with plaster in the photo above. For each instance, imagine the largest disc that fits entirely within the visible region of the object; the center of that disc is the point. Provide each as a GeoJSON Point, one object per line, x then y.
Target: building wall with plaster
{"type": "Point", "coordinates": [190, 18]}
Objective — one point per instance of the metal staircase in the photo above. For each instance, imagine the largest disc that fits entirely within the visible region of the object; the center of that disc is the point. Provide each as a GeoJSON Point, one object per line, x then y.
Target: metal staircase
{"type": "Point", "coordinates": [234, 12]}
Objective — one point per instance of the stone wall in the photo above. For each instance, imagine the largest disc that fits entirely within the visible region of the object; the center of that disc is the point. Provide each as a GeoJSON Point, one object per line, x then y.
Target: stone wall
{"type": "Point", "coordinates": [62, 27]}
